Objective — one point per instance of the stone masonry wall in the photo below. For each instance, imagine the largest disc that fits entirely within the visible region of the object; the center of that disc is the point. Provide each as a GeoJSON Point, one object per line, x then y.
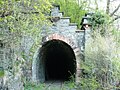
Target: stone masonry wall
{"type": "Point", "coordinates": [63, 30]}
{"type": "Point", "coordinates": [61, 26]}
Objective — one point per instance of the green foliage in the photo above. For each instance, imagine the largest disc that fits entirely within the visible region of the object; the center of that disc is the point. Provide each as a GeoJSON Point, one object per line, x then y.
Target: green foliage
{"type": "Point", "coordinates": [102, 54]}
{"type": "Point", "coordinates": [72, 9]}
{"type": "Point", "coordinates": [88, 84]}
{"type": "Point", "coordinates": [23, 17]}
{"type": "Point", "coordinates": [32, 86]}
{"type": "Point", "coordinates": [100, 21]}
{"type": "Point", "coordinates": [102, 63]}
{"type": "Point", "coordinates": [50, 86]}
{"type": "Point", "coordinates": [20, 18]}
{"type": "Point", "coordinates": [1, 73]}
{"type": "Point", "coordinates": [100, 18]}
{"type": "Point", "coordinates": [116, 34]}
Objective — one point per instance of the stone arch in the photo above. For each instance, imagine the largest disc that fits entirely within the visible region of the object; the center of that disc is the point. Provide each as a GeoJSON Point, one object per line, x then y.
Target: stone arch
{"type": "Point", "coordinates": [39, 66]}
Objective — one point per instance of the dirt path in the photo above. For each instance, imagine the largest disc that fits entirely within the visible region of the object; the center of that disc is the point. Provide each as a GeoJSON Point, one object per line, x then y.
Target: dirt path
{"type": "Point", "coordinates": [57, 85]}
{"type": "Point", "coordinates": [54, 85]}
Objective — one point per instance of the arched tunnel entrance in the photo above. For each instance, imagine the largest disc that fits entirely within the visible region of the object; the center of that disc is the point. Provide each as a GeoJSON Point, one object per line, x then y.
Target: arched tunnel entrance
{"type": "Point", "coordinates": [59, 60]}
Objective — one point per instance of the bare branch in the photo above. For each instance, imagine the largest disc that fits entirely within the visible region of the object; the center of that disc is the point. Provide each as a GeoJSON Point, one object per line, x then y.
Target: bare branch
{"type": "Point", "coordinates": [115, 10]}
{"type": "Point", "coordinates": [116, 18]}
{"type": "Point", "coordinates": [108, 7]}
{"type": "Point", "coordinates": [112, 0]}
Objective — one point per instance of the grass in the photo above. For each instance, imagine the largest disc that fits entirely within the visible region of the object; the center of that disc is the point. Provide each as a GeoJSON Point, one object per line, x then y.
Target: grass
{"type": "Point", "coordinates": [1, 73]}
{"type": "Point", "coordinates": [65, 86]}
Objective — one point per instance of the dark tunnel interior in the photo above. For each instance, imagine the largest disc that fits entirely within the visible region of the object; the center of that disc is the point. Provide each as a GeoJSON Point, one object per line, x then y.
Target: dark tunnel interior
{"type": "Point", "coordinates": [59, 61]}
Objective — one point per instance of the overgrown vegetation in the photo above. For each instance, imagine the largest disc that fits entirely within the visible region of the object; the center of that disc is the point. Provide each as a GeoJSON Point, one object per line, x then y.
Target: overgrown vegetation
{"type": "Point", "coordinates": [1, 73]}
{"type": "Point", "coordinates": [72, 9]}
{"type": "Point", "coordinates": [52, 86]}
{"type": "Point", "coordinates": [20, 18]}
{"type": "Point", "coordinates": [100, 22]}
{"type": "Point", "coordinates": [102, 55]}
{"type": "Point", "coordinates": [102, 63]}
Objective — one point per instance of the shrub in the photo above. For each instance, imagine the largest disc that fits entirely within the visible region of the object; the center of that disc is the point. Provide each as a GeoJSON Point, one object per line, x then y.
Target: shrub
{"type": "Point", "coordinates": [102, 63]}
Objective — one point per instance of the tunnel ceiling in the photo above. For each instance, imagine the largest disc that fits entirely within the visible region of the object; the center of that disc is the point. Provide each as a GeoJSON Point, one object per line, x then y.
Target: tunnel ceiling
{"type": "Point", "coordinates": [59, 60]}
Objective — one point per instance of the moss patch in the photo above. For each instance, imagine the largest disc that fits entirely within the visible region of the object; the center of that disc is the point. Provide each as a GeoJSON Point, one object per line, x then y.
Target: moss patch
{"type": "Point", "coordinates": [1, 73]}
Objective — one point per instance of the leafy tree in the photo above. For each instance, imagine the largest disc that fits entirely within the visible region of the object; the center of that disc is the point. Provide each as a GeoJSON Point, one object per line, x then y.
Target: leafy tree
{"type": "Point", "coordinates": [100, 22]}
{"type": "Point", "coordinates": [22, 17]}
{"type": "Point", "coordinates": [72, 9]}
{"type": "Point", "coordinates": [19, 18]}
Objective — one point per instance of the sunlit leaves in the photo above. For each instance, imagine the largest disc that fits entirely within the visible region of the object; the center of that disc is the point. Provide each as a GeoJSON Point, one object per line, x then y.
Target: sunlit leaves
{"type": "Point", "coordinates": [27, 16]}
{"type": "Point", "coordinates": [72, 9]}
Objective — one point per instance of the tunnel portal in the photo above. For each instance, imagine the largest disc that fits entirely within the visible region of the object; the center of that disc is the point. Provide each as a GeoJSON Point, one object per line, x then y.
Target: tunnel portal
{"type": "Point", "coordinates": [59, 60]}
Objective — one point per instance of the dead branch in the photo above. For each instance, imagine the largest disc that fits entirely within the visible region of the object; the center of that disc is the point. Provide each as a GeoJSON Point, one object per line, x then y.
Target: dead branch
{"type": "Point", "coordinates": [115, 10]}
